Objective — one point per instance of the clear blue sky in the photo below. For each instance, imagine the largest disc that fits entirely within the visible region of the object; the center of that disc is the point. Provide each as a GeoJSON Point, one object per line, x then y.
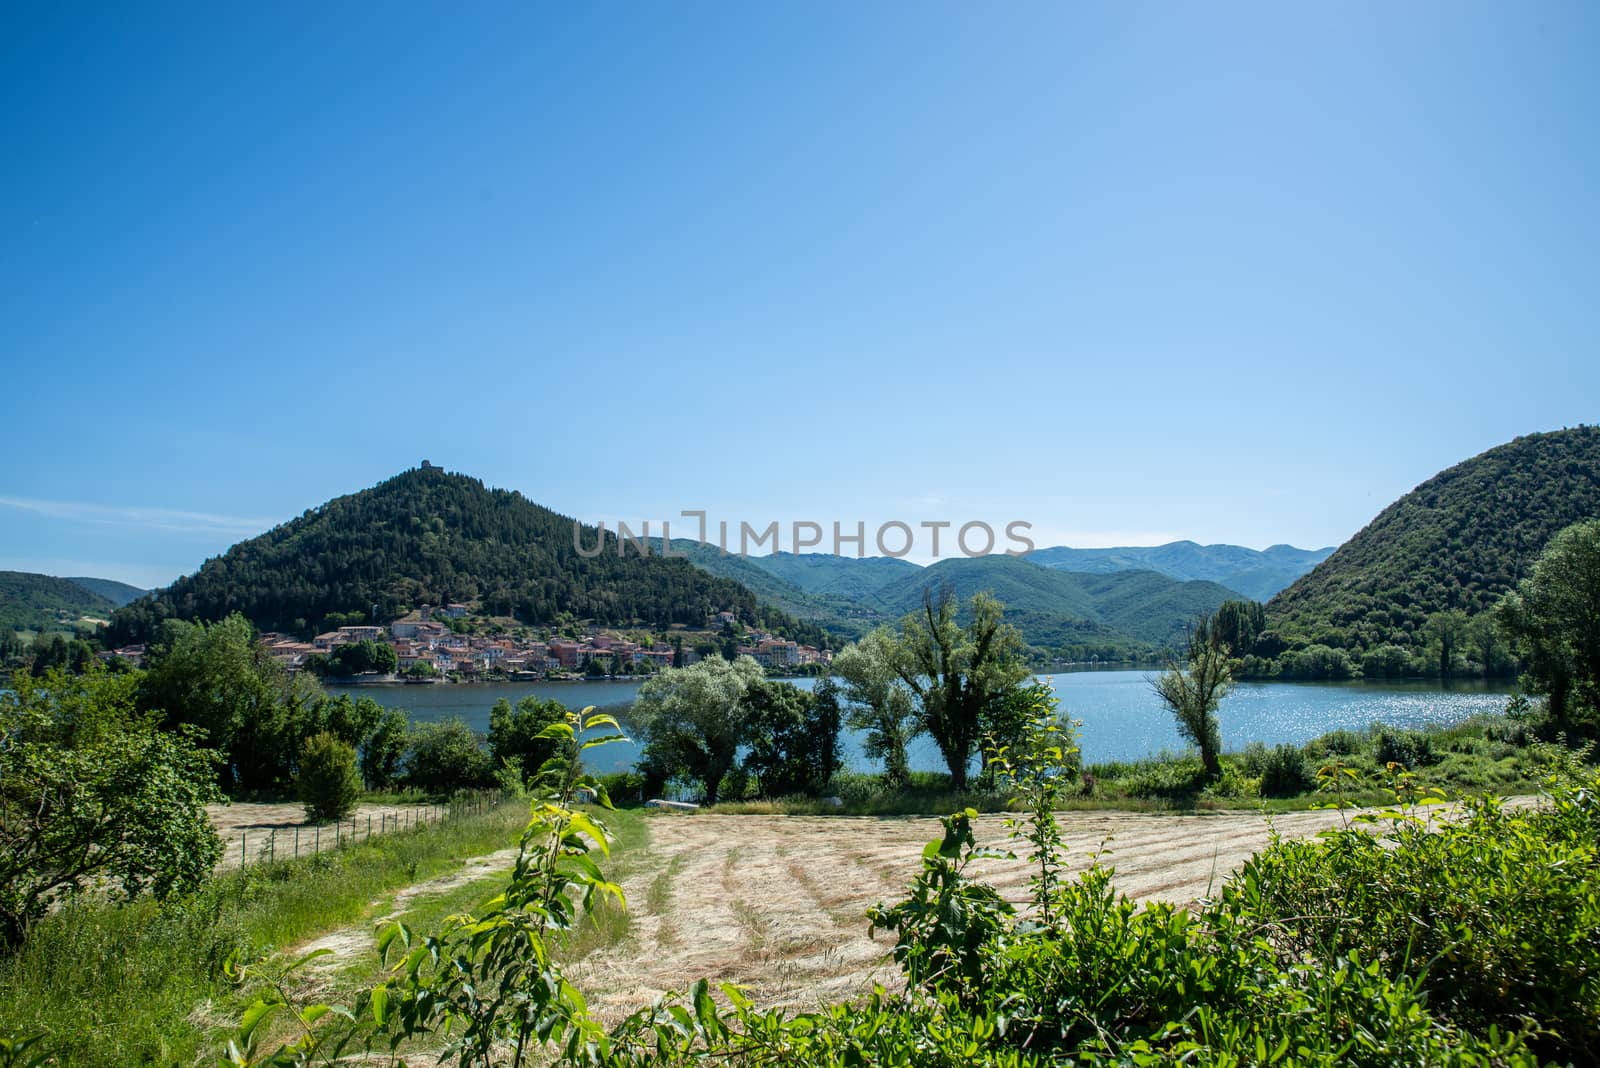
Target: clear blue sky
{"type": "Point", "coordinates": [1129, 272]}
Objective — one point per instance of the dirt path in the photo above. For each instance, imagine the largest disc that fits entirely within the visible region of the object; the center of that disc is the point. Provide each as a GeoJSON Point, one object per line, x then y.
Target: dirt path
{"type": "Point", "coordinates": [349, 942]}
{"type": "Point", "coordinates": [776, 903]}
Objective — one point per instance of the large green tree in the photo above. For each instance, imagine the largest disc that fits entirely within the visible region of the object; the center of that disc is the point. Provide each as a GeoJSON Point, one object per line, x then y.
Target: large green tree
{"type": "Point", "coordinates": [1193, 691]}
{"type": "Point", "coordinates": [218, 678]}
{"type": "Point", "coordinates": [793, 737]}
{"type": "Point", "coordinates": [956, 671]}
{"type": "Point", "coordinates": [877, 704]}
{"type": "Point", "coordinates": [445, 757]}
{"type": "Point", "coordinates": [694, 719]}
{"type": "Point", "coordinates": [94, 795]}
{"type": "Point", "coordinates": [1553, 617]}
{"type": "Point", "coordinates": [515, 734]}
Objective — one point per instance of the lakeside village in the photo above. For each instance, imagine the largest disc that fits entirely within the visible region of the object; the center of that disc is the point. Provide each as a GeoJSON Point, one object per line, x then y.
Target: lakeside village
{"type": "Point", "coordinates": [427, 650]}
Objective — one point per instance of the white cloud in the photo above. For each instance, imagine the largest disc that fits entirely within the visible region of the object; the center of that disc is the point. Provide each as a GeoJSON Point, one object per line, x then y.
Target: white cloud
{"type": "Point", "coordinates": [163, 519]}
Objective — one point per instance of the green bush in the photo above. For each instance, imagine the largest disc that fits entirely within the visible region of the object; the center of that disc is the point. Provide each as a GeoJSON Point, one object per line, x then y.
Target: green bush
{"type": "Point", "coordinates": [1167, 779]}
{"type": "Point", "coordinates": [1410, 749]}
{"type": "Point", "coordinates": [1283, 769]}
{"type": "Point", "coordinates": [446, 757]}
{"type": "Point", "coordinates": [1341, 742]}
{"type": "Point", "coordinates": [328, 783]}
{"type": "Point", "coordinates": [624, 787]}
{"type": "Point", "coordinates": [1495, 914]}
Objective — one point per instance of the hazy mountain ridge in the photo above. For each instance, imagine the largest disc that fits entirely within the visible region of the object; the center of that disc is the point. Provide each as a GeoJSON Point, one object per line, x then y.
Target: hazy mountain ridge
{"type": "Point", "coordinates": [118, 593]}
{"type": "Point", "coordinates": [1054, 607]}
{"type": "Point", "coordinates": [1256, 573]}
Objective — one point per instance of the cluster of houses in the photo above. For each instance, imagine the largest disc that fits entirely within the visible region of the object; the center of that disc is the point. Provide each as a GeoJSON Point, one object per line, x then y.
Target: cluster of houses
{"type": "Point", "coordinates": [420, 639]}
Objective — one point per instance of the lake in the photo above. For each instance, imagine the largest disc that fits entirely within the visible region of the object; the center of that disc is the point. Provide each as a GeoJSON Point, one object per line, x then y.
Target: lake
{"type": "Point", "coordinates": [1122, 720]}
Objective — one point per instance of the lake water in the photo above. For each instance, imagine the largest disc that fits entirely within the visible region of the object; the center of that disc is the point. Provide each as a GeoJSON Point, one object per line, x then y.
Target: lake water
{"type": "Point", "coordinates": [1122, 720]}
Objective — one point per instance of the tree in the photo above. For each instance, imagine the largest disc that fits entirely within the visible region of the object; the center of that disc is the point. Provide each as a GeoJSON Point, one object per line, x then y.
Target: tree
{"type": "Point", "coordinates": [446, 756]}
{"type": "Point", "coordinates": [359, 658]}
{"type": "Point", "coordinates": [1553, 617]}
{"type": "Point", "coordinates": [1193, 692]}
{"type": "Point", "coordinates": [59, 651]}
{"type": "Point", "coordinates": [93, 794]}
{"type": "Point", "coordinates": [693, 719]}
{"type": "Point", "coordinates": [879, 705]}
{"type": "Point", "coordinates": [1237, 624]}
{"type": "Point", "coordinates": [218, 678]}
{"type": "Point", "coordinates": [328, 782]}
{"type": "Point", "coordinates": [516, 734]}
{"type": "Point", "coordinates": [1448, 635]}
{"type": "Point", "coordinates": [955, 672]}
{"type": "Point", "coordinates": [384, 751]}
{"type": "Point", "coordinates": [793, 738]}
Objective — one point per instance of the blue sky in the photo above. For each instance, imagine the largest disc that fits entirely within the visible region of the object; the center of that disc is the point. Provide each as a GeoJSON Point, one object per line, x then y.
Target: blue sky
{"type": "Point", "coordinates": [1130, 273]}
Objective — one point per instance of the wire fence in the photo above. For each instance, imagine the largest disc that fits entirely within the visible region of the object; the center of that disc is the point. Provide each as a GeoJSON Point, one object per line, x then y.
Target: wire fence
{"type": "Point", "coordinates": [303, 840]}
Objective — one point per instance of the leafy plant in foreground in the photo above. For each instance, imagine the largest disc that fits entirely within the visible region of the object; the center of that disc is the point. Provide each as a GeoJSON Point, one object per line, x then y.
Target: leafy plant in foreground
{"type": "Point", "coordinates": [486, 983]}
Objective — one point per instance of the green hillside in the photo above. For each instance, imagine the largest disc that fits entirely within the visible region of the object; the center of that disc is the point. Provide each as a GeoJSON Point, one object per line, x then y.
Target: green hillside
{"type": "Point", "coordinates": [42, 603]}
{"type": "Point", "coordinates": [1126, 611]}
{"type": "Point", "coordinates": [1256, 573]}
{"type": "Point", "coordinates": [850, 577]}
{"type": "Point", "coordinates": [427, 536]}
{"type": "Point", "coordinates": [1458, 541]}
{"type": "Point", "coordinates": [842, 615]}
{"type": "Point", "coordinates": [118, 593]}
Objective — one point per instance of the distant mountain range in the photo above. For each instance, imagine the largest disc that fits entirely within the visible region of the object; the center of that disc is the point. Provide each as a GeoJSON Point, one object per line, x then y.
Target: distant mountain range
{"type": "Point", "coordinates": [427, 536]}
{"type": "Point", "coordinates": [45, 603]}
{"type": "Point", "coordinates": [1113, 612]}
{"type": "Point", "coordinates": [1256, 573]}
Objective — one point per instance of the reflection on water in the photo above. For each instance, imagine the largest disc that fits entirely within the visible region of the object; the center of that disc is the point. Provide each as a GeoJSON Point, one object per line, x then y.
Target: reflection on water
{"type": "Point", "coordinates": [1122, 720]}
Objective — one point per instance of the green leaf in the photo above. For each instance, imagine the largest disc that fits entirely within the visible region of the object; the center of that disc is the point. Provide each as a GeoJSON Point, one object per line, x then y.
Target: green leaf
{"type": "Point", "coordinates": [252, 1018]}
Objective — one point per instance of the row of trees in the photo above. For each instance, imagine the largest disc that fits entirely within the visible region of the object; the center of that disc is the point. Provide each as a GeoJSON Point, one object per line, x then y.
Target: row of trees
{"type": "Point", "coordinates": [956, 676]}
{"type": "Point", "coordinates": [719, 717]}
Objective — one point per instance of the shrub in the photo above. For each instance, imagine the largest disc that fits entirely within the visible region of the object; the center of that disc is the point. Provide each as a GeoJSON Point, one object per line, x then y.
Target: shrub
{"type": "Point", "coordinates": [1388, 662]}
{"type": "Point", "coordinates": [1495, 913]}
{"type": "Point", "coordinates": [1167, 779]}
{"type": "Point", "coordinates": [1283, 769]}
{"type": "Point", "coordinates": [1341, 742]}
{"type": "Point", "coordinates": [1410, 749]}
{"type": "Point", "coordinates": [624, 787]}
{"type": "Point", "coordinates": [328, 783]}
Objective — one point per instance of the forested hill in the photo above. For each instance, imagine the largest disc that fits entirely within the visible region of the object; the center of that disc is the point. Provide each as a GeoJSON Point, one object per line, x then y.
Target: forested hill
{"type": "Point", "coordinates": [41, 603]}
{"type": "Point", "coordinates": [118, 593]}
{"type": "Point", "coordinates": [429, 537]}
{"type": "Point", "coordinates": [1456, 542]}
{"type": "Point", "coordinates": [1117, 614]}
